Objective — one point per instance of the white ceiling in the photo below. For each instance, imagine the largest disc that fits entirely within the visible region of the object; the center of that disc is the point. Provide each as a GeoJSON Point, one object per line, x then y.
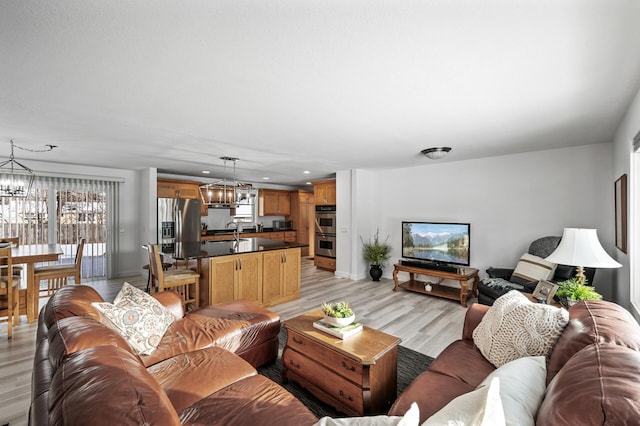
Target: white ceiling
{"type": "Point", "coordinates": [318, 85]}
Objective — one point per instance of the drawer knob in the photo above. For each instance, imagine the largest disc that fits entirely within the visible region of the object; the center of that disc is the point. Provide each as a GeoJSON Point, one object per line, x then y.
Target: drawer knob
{"type": "Point", "coordinates": [294, 365]}
{"type": "Point", "coordinates": [298, 341]}
{"type": "Point", "coordinates": [348, 398]}
{"type": "Point", "coordinates": [352, 368]}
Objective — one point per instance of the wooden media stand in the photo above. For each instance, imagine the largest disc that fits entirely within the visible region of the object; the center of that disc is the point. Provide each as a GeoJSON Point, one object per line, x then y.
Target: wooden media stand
{"type": "Point", "coordinates": [463, 276]}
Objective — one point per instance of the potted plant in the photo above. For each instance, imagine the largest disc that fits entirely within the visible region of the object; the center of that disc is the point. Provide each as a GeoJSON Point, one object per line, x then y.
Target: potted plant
{"type": "Point", "coordinates": [338, 314]}
{"type": "Point", "coordinates": [573, 290]}
{"type": "Point", "coordinates": [376, 253]}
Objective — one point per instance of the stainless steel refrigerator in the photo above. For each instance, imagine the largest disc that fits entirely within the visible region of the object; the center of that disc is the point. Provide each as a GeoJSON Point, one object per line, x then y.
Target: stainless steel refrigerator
{"type": "Point", "coordinates": [178, 221]}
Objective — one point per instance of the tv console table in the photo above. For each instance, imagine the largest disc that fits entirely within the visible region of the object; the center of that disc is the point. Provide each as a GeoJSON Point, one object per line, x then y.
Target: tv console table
{"type": "Point", "coordinates": [463, 275]}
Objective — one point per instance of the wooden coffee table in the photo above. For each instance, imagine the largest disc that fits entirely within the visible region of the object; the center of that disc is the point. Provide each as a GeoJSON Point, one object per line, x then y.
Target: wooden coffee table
{"type": "Point", "coordinates": [357, 376]}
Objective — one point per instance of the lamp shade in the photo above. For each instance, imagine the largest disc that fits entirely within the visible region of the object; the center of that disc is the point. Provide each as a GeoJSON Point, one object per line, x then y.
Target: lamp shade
{"type": "Point", "coordinates": [580, 247]}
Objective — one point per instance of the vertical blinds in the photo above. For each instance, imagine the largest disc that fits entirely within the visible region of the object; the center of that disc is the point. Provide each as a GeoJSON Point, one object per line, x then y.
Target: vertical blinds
{"type": "Point", "coordinates": [64, 210]}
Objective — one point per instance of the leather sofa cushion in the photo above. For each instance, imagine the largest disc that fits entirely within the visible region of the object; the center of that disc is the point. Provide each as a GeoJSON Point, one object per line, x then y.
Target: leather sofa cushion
{"type": "Point", "coordinates": [593, 321]}
{"type": "Point", "coordinates": [70, 335]}
{"type": "Point", "coordinates": [599, 385]}
{"type": "Point", "coordinates": [459, 369]}
{"type": "Point", "coordinates": [235, 326]}
{"type": "Point", "coordinates": [189, 377]}
{"type": "Point", "coordinates": [108, 385]}
{"type": "Point", "coordinates": [254, 401]}
{"type": "Point", "coordinates": [70, 301]}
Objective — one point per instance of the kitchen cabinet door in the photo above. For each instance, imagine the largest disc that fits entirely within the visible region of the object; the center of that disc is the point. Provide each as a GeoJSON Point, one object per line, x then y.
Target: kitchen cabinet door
{"type": "Point", "coordinates": [249, 278]}
{"type": "Point", "coordinates": [281, 276]}
{"type": "Point", "coordinates": [324, 193]}
{"type": "Point", "coordinates": [222, 278]}
{"type": "Point", "coordinates": [274, 203]}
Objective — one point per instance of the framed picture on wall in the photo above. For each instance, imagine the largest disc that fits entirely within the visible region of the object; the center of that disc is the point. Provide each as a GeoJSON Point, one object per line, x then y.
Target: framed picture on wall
{"type": "Point", "coordinates": [620, 188]}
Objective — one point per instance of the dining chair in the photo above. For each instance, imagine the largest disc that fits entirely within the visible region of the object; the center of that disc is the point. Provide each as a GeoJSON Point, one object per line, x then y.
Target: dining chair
{"type": "Point", "coordinates": [58, 274]}
{"type": "Point", "coordinates": [183, 281]}
{"type": "Point", "coordinates": [9, 293]}
{"type": "Point", "coordinates": [15, 242]}
{"type": "Point", "coordinates": [150, 279]}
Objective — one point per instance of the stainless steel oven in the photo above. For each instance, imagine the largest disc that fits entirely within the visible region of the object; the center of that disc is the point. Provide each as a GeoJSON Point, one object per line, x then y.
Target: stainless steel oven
{"type": "Point", "coordinates": [325, 245]}
{"type": "Point", "coordinates": [326, 220]}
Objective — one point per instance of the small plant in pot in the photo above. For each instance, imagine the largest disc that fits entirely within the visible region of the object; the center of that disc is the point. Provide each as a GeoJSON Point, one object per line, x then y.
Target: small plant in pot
{"type": "Point", "coordinates": [376, 253]}
{"type": "Point", "coordinates": [573, 291]}
{"type": "Point", "coordinates": [338, 314]}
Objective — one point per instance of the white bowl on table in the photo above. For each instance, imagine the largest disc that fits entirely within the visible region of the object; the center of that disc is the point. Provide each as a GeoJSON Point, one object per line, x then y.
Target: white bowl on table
{"type": "Point", "coordinates": [339, 322]}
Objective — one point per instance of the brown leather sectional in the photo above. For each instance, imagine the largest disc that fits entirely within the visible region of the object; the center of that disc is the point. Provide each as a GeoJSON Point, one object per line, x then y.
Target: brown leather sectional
{"type": "Point", "coordinates": [203, 371]}
{"type": "Point", "coordinates": [593, 372]}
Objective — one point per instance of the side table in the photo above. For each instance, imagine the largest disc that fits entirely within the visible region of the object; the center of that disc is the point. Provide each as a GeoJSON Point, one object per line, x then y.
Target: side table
{"type": "Point", "coordinates": [357, 376]}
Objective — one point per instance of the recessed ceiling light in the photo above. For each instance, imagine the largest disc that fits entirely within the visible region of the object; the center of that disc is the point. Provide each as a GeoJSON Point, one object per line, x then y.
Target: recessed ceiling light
{"type": "Point", "coordinates": [306, 172]}
{"type": "Point", "coordinates": [266, 178]}
{"type": "Point", "coordinates": [309, 183]}
{"type": "Point", "coordinates": [206, 172]}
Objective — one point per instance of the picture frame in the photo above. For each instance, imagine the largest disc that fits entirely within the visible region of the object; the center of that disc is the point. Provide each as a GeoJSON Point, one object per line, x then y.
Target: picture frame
{"type": "Point", "coordinates": [620, 190]}
{"type": "Point", "coordinates": [545, 290]}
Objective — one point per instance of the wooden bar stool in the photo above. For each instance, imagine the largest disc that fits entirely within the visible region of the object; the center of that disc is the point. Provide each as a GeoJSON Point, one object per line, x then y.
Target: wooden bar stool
{"type": "Point", "coordinates": [183, 281]}
{"type": "Point", "coordinates": [165, 266]}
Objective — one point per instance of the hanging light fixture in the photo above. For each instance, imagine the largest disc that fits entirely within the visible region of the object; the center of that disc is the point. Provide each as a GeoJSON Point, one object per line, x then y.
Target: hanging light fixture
{"type": "Point", "coordinates": [227, 194]}
{"type": "Point", "coordinates": [16, 178]}
{"type": "Point", "coordinates": [436, 153]}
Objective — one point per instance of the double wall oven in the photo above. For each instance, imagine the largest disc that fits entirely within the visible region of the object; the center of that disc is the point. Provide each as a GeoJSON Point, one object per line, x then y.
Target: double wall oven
{"type": "Point", "coordinates": [325, 244]}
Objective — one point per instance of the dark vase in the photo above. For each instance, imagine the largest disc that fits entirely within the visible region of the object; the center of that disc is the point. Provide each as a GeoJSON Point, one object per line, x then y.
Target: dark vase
{"type": "Point", "coordinates": [376, 272]}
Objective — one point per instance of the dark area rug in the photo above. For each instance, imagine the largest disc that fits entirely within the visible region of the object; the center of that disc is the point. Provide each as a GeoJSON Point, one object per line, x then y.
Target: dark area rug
{"type": "Point", "coordinates": [410, 365]}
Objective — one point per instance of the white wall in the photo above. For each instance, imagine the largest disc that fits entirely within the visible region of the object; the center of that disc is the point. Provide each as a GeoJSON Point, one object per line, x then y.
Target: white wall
{"type": "Point", "coordinates": [627, 285]}
{"type": "Point", "coordinates": [509, 201]}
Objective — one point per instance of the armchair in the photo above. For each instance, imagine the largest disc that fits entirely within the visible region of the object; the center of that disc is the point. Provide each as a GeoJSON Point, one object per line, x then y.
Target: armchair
{"type": "Point", "coordinates": [489, 289]}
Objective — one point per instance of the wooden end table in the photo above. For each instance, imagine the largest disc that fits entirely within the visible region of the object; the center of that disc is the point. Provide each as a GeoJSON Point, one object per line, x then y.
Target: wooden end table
{"type": "Point", "coordinates": [357, 375]}
{"type": "Point", "coordinates": [463, 276]}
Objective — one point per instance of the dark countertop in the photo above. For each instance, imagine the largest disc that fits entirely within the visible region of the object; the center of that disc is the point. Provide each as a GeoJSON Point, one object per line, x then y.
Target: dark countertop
{"type": "Point", "coordinates": [198, 250]}
{"type": "Point", "coordinates": [245, 231]}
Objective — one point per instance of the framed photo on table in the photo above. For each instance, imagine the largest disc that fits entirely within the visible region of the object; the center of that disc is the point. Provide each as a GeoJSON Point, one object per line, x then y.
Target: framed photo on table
{"type": "Point", "coordinates": [545, 290]}
{"type": "Point", "coordinates": [621, 213]}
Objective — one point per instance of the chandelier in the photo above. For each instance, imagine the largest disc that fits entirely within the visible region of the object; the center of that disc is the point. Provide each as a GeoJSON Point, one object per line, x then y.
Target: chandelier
{"type": "Point", "coordinates": [226, 194]}
{"type": "Point", "coordinates": [16, 178]}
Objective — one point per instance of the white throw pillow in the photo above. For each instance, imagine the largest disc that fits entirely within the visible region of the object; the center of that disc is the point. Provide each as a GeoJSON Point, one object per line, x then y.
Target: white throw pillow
{"type": "Point", "coordinates": [532, 268]}
{"type": "Point", "coordinates": [515, 327]}
{"type": "Point", "coordinates": [481, 407]}
{"type": "Point", "coordinates": [410, 418]}
{"type": "Point", "coordinates": [522, 388]}
{"type": "Point", "coordinates": [140, 318]}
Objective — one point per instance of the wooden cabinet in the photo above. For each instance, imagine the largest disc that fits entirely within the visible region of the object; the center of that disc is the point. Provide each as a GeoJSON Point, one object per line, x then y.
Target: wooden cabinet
{"type": "Point", "coordinates": [169, 188]}
{"type": "Point", "coordinates": [281, 276]}
{"type": "Point", "coordinates": [303, 218]}
{"type": "Point", "coordinates": [236, 277]}
{"type": "Point", "coordinates": [324, 193]}
{"type": "Point", "coordinates": [273, 202]}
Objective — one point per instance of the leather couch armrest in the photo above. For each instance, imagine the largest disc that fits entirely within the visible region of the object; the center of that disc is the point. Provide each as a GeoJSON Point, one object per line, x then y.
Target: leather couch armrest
{"type": "Point", "coordinates": [504, 273]}
{"type": "Point", "coordinates": [471, 320]}
{"type": "Point", "coordinates": [172, 301]}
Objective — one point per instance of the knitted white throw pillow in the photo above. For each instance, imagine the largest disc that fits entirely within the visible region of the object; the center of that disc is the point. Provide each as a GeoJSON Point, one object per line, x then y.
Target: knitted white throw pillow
{"type": "Point", "coordinates": [515, 327]}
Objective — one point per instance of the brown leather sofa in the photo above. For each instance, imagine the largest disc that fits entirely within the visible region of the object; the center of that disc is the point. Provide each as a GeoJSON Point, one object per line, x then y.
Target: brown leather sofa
{"type": "Point", "coordinates": [593, 371]}
{"type": "Point", "coordinates": [203, 371]}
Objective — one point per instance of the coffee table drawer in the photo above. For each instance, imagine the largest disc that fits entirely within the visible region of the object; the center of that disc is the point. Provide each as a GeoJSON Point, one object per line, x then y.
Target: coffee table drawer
{"type": "Point", "coordinates": [342, 365]}
{"type": "Point", "coordinates": [342, 390]}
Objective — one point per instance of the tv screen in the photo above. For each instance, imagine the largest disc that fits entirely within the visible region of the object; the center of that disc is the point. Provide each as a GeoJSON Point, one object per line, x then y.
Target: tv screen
{"type": "Point", "coordinates": [437, 242]}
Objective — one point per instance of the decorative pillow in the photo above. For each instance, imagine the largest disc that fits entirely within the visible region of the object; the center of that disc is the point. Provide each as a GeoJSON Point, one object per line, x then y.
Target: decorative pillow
{"type": "Point", "coordinates": [410, 418]}
{"type": "Point", "coordinates": [514, 327]}
{"type": "Point", "coordinates": [532, 268]}
{"type": "Point", "coordinates": [522, 388]}
{"type": "Point", "coordinates": [140, 318]}
{"type": "Point", "coordinates": [481, 407]}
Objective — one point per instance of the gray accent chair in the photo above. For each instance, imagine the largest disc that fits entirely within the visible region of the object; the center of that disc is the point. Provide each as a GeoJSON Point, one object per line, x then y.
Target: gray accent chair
{"type": "Point", "coordinates": [488, 291]}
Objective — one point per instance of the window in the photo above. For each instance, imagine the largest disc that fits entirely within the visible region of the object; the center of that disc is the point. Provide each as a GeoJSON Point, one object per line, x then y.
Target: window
{"type": "Point", "coordinates": [62, 211]}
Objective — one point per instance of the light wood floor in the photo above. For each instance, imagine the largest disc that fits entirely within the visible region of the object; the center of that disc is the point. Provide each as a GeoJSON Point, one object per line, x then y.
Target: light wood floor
{"type": "Point", "coordinates": [425, 324]}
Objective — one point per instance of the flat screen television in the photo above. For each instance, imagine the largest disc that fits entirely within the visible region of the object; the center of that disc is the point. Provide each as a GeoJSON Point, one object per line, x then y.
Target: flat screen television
{"type": "Point", "coordinates": [437, 242]}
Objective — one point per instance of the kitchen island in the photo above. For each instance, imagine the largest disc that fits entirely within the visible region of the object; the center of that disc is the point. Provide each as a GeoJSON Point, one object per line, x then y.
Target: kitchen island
{"type": "Point", "coordinates": [264, 271]}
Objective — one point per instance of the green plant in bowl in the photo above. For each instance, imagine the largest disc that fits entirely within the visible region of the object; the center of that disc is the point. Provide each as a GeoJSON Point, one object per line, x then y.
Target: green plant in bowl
{"type": "Point", "coordinates": [338, 314]}
{"type": "Point", "coordinates": [574, 291]}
